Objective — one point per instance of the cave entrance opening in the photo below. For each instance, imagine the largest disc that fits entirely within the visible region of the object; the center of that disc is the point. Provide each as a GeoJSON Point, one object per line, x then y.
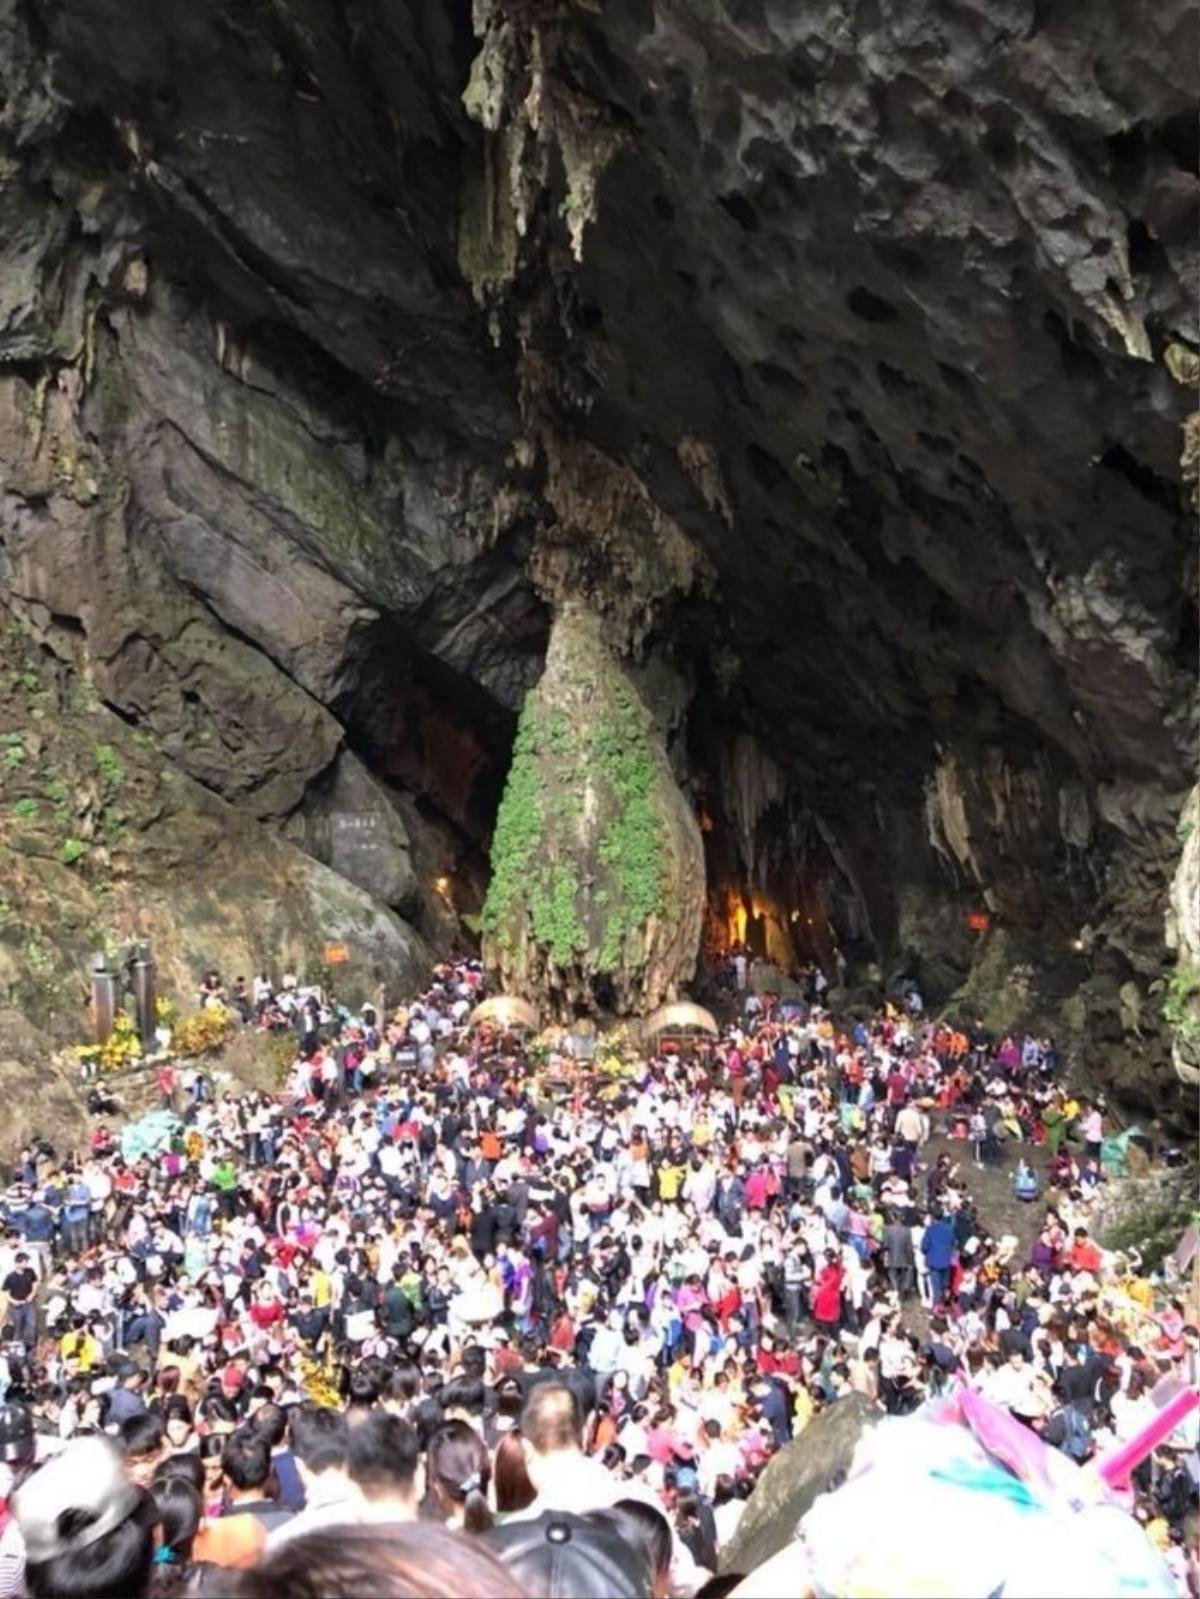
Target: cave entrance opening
{"type": "Point", "coordinates": [788, 925]}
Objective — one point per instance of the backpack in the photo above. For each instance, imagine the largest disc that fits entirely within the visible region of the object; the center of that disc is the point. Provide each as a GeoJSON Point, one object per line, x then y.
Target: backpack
{"type": "Point", "coordinates": [1077, 1438]}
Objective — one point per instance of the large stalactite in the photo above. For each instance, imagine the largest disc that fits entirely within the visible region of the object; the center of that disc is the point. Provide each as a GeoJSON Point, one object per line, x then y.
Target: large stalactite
{"type": "Point", "coordinates": [597, 889]}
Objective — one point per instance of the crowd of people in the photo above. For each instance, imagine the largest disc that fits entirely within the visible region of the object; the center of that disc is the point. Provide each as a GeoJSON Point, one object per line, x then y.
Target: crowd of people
{"type": "Point", "coordinates": [450, 1313]}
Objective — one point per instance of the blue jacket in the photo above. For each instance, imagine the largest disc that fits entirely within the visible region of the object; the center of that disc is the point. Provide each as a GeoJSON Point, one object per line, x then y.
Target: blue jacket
{"type": "Point", "coordinates": [38, 1224]}
{"type": "Point", "coordinates": [938, 1244]}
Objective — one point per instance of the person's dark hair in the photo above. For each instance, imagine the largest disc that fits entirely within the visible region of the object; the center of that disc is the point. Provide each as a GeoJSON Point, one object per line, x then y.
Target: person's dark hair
{"type": "Point", "coordinates": [176, 1408]}
{"type": "Point", "coordinates": [270, 1423]}
{"type": "Point", "coordinates": [116, 1566]}
{"type": "Point", "coordinates": [718, 1587]}
{"type": "Point", "coordinates": [187, 1467]}
{"type": "Point", "coordinates": [427, 1416]}
{"type": "Point", "coordinates": [724, 1489]}
{"type": "Point", "coordinates": [383, 1454]}
{"type": "Point", "coordinates": [179, 1513]}
{"type": "Point", "coordinates": [550, 1418]}
{"type": "Point", "coordinates": [409, 1561]}
{"type": "Point", "coordinates": [692, 1531]}
{"type": "Point", "coordinates": [474, 1362]}
{"type": "Point", "coordinates": [404, 1384]}
{"type": "Point", "coordinates": [319, 1437]}
{"type": "Point", "coordinates": [168, 1381]}
{"type": "Point", "coordinates": [643, 1527]}
{"type": "Point", "coordinates": [510, 1396]}
{"type": "Point", "coordinates": [463, 1393]}
{"type": "Point", "coordinates": [367, 1382]}
{"type": "Point", "coordinates": [215, 1409]}
{"type": "Point", "coordinates": [141, 1435]}
{"type": "Point", "coordinates": [459, 1469]}
{"type": "Point", "coordinates": [514, 1490]}
{"type": "Point", "coordinates": [246, 1459]}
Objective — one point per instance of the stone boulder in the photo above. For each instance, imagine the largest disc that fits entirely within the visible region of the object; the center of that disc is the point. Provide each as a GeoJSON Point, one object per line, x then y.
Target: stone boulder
{"type": "Point", "coordinates": [42, 1096]}
{"type": "Point", "coordinates": [785, 1492]}
{"type": "Point", "coordinates": [103, 842]}
{"type": "Point", "coordinates": [351, 824]}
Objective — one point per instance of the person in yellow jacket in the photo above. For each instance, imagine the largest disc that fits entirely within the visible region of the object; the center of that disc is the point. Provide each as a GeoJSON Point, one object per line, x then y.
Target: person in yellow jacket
{"type": "Point", "coordinates": [78, 1350]}
{"type": "Point", "coordinates": [321, 1288]}
{"type": "Point", "coordinates": [670, 1180]}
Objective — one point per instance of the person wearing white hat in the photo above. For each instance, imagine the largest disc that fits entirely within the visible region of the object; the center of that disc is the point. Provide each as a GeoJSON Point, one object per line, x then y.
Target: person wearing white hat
{"type": "Point", "coordinates": [87, 1529]}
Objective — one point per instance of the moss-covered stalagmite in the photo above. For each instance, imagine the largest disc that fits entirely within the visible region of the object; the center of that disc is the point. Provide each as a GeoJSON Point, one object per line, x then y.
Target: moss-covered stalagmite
{"type": "Point", "coordinates": [597, 884]}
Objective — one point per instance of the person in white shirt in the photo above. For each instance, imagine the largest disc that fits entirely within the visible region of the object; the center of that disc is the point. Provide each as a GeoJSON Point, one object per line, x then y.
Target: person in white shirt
{"type": "Point", "coordinates": [1012, 1386]}
{"type": "Point", "coordinates": [721, 1458]}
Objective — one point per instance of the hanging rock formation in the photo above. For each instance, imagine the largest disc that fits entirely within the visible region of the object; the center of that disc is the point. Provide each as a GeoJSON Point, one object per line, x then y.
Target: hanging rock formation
{"type": "Point", "coordinates": [597, 886]}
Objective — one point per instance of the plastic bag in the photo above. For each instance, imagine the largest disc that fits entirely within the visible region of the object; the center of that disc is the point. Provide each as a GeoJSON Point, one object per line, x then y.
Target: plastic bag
{"type": "Point", "coordinates": [961, 1499]}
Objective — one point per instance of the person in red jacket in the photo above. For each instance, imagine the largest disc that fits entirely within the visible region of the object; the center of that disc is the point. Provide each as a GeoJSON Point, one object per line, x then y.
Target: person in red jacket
{"type": "Point", "coordinates": [827, 1294]}
{"type": "Point", "coordinates": [266, 1311]}
{"type": "Point", "coordinates": [1083, 1254]}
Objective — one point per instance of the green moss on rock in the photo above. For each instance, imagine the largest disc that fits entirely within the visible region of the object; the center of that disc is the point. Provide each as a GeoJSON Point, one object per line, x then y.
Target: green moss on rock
{"type": "Point", "coordinates": [596, 859]}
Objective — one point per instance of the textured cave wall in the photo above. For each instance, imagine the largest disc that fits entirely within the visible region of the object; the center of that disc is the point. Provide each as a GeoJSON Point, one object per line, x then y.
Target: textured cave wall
{"type": "Point", "coordinates": [839, 356]}
{"type": "Point", "coordinates": [233, 500]}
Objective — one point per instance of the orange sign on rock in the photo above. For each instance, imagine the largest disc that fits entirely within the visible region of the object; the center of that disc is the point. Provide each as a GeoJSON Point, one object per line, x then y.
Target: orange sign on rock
{"type": "Point", "coordinates": [978, 921]}
{"type": "Point", "coordinates": [335, 954]}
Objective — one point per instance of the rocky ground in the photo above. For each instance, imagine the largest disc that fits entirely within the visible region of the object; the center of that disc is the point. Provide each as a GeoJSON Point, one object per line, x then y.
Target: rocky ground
{"type": "Point", "coordinates": [991, 1188]}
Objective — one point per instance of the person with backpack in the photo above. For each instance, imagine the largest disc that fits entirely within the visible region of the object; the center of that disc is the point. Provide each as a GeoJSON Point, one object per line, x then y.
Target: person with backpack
{"type": "Point", "coordinates": [1067, 1427]}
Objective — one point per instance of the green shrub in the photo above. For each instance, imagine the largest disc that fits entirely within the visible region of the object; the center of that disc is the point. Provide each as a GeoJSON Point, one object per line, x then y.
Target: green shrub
{"type": "Point", "coordinates": [554, 762]}
{"type": "Point", "coordinates": [110, 766]}
{"type": "Point", "coordinates": [1179, 1010]}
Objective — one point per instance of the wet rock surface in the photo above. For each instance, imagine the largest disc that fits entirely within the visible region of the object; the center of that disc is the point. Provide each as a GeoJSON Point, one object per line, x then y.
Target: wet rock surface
{"type": "Point", "coordinates": [841, 359]}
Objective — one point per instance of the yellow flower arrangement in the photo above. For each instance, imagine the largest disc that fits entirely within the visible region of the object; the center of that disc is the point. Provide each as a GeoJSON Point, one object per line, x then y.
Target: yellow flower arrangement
{"type": "Point", "coordinates": [203, 1031]}
{"type": "Point", "coordinates": [122, 1048]}
{"type": "Point", "coordinates": [319, 1385]}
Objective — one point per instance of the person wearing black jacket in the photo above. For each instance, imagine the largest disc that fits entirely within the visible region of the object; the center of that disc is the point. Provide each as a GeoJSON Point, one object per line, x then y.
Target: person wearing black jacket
{"type": "Point", "coordinates": [309, 1322]}
{"type": "Point", "coordinates": [483, 1225]}
{"type": "Point", "coordinates": [1174, 1490]}
{"type": "Point", "coordinates": [396, 1311]}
